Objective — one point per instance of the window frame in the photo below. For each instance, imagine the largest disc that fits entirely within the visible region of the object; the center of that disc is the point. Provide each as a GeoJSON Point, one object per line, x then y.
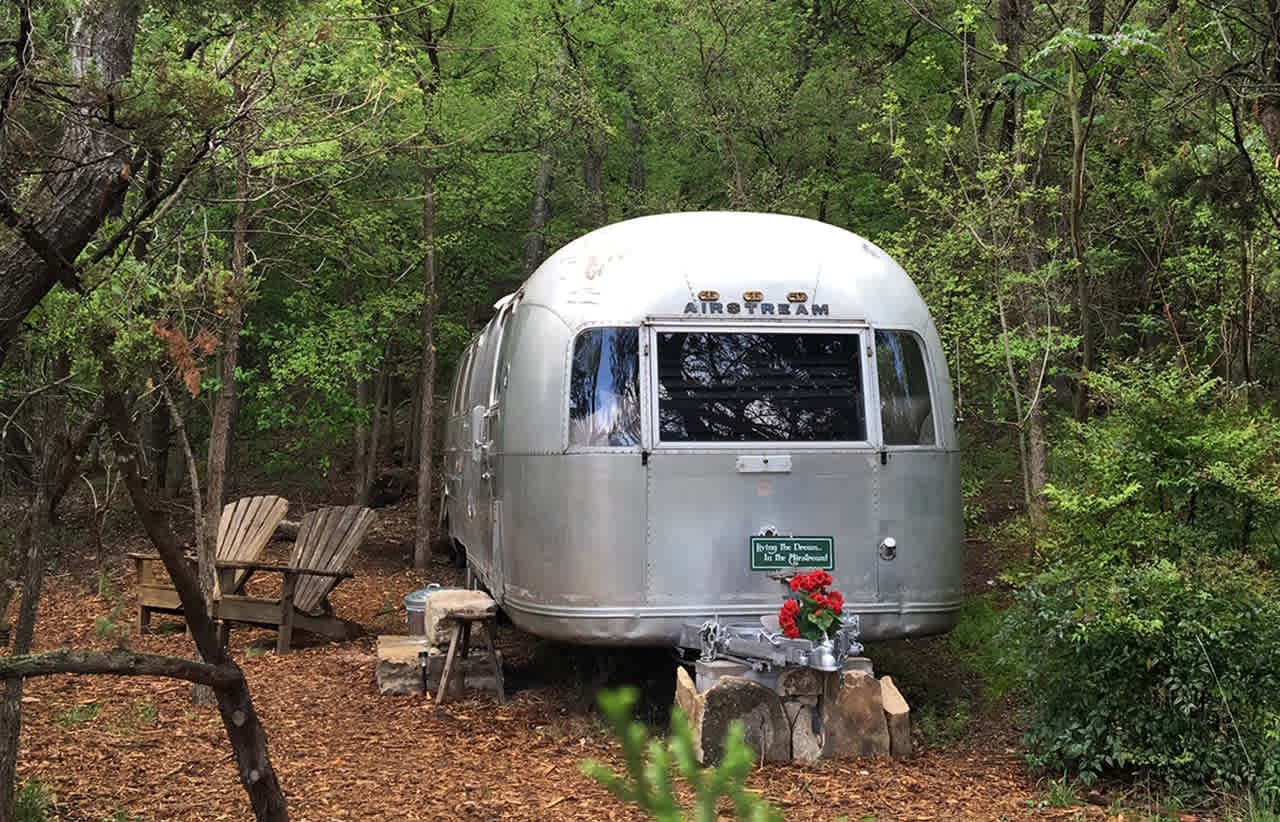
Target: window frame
{"type": "Point", "coordinates": [649, 405]}
{"type": "Point", "coordinates": [461, 382]}
{"type": "Point", "coordinates": [567, 392]}
{"type": "Point", "coordinates": [929, 375]}
{"type": "Point", "coordinates": [501, 368]}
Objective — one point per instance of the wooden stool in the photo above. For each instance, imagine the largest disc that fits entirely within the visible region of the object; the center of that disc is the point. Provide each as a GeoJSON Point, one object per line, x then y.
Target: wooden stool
{"type": "Point", "coordinates": [476, 607]}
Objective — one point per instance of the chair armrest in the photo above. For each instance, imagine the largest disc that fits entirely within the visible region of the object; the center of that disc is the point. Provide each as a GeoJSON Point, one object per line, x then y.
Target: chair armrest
{"type": "Point", "coordinates": [284, 569]}
{"type": "Point", "coordinates": [189, 556]}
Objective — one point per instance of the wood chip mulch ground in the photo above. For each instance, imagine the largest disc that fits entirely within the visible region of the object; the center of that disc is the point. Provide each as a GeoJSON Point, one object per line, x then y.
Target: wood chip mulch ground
{"type": "Point", "coordinates": [343, 752]}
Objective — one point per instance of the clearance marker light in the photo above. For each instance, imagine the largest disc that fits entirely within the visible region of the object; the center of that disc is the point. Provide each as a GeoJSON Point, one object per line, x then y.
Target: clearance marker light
{"type": "Point", "coordinates": [797, 297]}
{"type": "Point", "coordinates": [708, 296]}
{"type": "Point", "coordinates": [752, 296]}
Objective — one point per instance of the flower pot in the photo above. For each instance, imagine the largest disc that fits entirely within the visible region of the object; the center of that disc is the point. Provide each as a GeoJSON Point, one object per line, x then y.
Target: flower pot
{"type": "Point", "coordinates": [823, 656]}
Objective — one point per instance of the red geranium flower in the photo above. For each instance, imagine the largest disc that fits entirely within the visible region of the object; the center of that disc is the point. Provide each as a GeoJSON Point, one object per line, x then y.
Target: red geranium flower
{"type": "Point", "coordinates": [815, 613]}
{"type": "Point", "coordinates": [787, 619]}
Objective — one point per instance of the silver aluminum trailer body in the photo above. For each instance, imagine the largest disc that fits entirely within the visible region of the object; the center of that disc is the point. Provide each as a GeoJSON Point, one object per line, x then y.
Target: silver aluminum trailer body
{"type": "Point", "coordinates": [663, 390]}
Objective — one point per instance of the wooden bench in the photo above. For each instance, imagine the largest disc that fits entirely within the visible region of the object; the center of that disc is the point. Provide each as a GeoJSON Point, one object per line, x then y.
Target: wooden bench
{"type": "Point", "coordinates": [244, 530]}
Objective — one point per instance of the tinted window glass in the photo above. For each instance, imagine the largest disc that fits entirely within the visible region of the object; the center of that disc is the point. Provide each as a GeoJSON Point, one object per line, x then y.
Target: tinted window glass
{"type": "Point", "coordinates": [731, 387]}
{"type": "Point", "coordinates": [906, 414]}
{"type": "Point", "coordinates": [604, 389]}
{"type": "Point", "coordinates": [460, 382]}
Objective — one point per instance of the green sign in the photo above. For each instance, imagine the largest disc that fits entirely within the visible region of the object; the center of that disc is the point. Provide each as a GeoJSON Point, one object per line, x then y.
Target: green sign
{"type": "Point", "coordinates": [768, 553]}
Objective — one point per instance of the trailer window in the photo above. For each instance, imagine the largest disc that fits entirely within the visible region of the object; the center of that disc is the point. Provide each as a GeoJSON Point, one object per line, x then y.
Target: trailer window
{"type": "Point", "coordinates": [742, 387]}
{"type": "Point", "coordinates": [460, 382]}
{"type": "Point", "coordinates": [604, 389]}
{"type": "Point", "coordinates": [906, 413]}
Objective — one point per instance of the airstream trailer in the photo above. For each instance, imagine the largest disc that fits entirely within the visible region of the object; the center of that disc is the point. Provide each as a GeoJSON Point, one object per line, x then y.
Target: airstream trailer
{"type": "Point", "coordinates": [675, 410]}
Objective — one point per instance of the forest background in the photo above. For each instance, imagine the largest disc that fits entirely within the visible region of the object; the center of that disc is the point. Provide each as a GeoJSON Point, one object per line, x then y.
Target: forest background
{"type": "Point", "coordinates": [266, 232]}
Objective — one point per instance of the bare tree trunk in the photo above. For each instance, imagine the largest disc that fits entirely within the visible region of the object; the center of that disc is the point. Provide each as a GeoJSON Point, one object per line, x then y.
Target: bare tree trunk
{"type": "Point", "coordinates": [593, 178]}
{"type": "Point", "coordinates": [89, 176]}
{"type": "Point", "coordinates": [427, 376]}
{"type": "Point", "coordinates": [390, 382]}
{"type": "Point", "coordinates": [1037, 473]}
{"type": "Point", "coordinates": [159, 448]}
{"type": "Point", "coordinates": [69, 461]}
{"type": "Point", "coordinates": [1075, 212]}
{"type": "Point", "coordinates": [415, 423]}
{"type": "Point", "coordinates": [369, 389]}
{"type": "Point", "coordinates": [220, 425]}
{"type": "Point", "coordinates": [1009, 33]}
{"type": "Point", "coordinates": [636, 170]}
{"type": "Point", "coordinates": [362, 442]}
{"type": "Point", "coordinates": [244, 729]}
{"type": "Point", "coordinates": [373, 457]}
{"type": "Point", "coordinates": [1268, 107]}
{"type": "Point", "coordinates": [11, 703]}
{"type": "Point", "coordinates": [535, 244]}
{"type": "Point", "coordinates": [1080, 98]}
{"type": "Point", "coordinates": [201, 694]}
{"type": "Point", "coordinates": [193, 474]}
{"type": "Point", "coordinates": [1023, 457]}
{"type": "Point", "coordinates": [1246, 308]}
{"type": "Point", "coordinates": [49, 469]}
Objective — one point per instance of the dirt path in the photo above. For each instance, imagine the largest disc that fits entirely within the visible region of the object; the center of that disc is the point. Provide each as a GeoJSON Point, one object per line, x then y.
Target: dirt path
{"type": "Point", "coordinates": [345, 753]}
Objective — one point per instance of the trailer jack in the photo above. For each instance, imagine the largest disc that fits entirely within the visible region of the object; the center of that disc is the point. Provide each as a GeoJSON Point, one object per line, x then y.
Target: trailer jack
{"type": "Point", "coordinates": [763, 649]}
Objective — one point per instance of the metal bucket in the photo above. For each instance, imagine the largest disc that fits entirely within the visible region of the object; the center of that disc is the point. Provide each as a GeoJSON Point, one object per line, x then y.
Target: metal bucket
{"type": "Point", "coordinates": [415, 608]}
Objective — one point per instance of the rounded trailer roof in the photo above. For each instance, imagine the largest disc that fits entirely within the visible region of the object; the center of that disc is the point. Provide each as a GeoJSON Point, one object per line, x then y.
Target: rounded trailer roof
{"type": "Point", "coordinates": [656, 266]}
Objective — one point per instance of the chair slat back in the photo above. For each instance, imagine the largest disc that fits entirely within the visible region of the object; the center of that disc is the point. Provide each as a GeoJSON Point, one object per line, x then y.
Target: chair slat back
{"type": "Point", "coordinates": [327, 538]}
{"type": "Point", "coordinates": [246, 527]}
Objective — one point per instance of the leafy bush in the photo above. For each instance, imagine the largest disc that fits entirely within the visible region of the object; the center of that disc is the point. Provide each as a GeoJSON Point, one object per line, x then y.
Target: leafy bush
{"type": "Point", "coordinates": [1148, 639]}
{"type": "Point", "coordinates": [1178, 463]}
{"type": "Point", "coordinates": [647, 781]}
{"type": "Point", "coordinates": [1171, 672]}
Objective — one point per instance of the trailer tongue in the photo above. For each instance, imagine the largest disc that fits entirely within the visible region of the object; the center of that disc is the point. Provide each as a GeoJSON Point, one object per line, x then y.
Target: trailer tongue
{"type": "Point", "coordinates": [763, 647]}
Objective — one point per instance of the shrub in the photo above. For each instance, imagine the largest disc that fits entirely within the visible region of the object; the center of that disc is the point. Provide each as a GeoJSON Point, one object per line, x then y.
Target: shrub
{"type": "Point", "coordinates": [1148, 638]}
{"type": "Point", "coordinates": [1178, 463]}
{"type": "Point", "coordinates": [1172, 672]}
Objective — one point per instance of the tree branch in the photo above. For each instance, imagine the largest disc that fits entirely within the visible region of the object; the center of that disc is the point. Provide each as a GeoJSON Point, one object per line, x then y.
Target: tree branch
{"type": "Point", "coordinates": [147, 208]}
{"type": "Point", "coordinates": [37, 242]}
{"type": "Point", "coordinates": [194, 606]}
{"type": "Point", "coordinates": [120, 663]}
{"type": "Point", "coordinates": [22, 59]}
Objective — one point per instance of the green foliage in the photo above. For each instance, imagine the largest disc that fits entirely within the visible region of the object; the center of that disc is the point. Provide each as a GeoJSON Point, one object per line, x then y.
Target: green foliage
{"type": "Point", "coordinates": [647, 781]}
{"type": "Point", "coordinates": [1179, 463]}
{"type": "Point", "coordinates": [1150, 668]}
{"type": "Point", "coordinates": [32, 802]}
{"type": "Point", "coordinates": [115, 624]}
{"type": "Point", "coordinates": [1060, 794]}
{"type": "Point", "coordinates": [145, 710]}
{"type": "Point", "coordinates": [79, 714]}
{"type": "Point", "coordinates": [1148, 640]}
{"type": "Point", "coordinates": [944, 723]}
{"type": "Point", "coordinates": [1255, 808]}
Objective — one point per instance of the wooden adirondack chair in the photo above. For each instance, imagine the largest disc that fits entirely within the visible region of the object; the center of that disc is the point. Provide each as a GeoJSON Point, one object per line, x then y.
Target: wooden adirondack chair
{"type": "Point", "coordinates": [327, 539]}
{"type": "Point", "coordinates": [244, 530]}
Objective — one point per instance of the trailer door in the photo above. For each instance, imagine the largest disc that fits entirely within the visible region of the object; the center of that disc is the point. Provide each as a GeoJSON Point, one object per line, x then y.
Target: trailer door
{"type": "Point", "coordinates": [761, 460]}
{"type": "Point", "coordinates": [920, 542]}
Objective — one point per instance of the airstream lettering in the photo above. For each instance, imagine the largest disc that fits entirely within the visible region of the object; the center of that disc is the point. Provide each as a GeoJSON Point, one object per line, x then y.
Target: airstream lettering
{"type": "Point", "coordinates": [633, 450]}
